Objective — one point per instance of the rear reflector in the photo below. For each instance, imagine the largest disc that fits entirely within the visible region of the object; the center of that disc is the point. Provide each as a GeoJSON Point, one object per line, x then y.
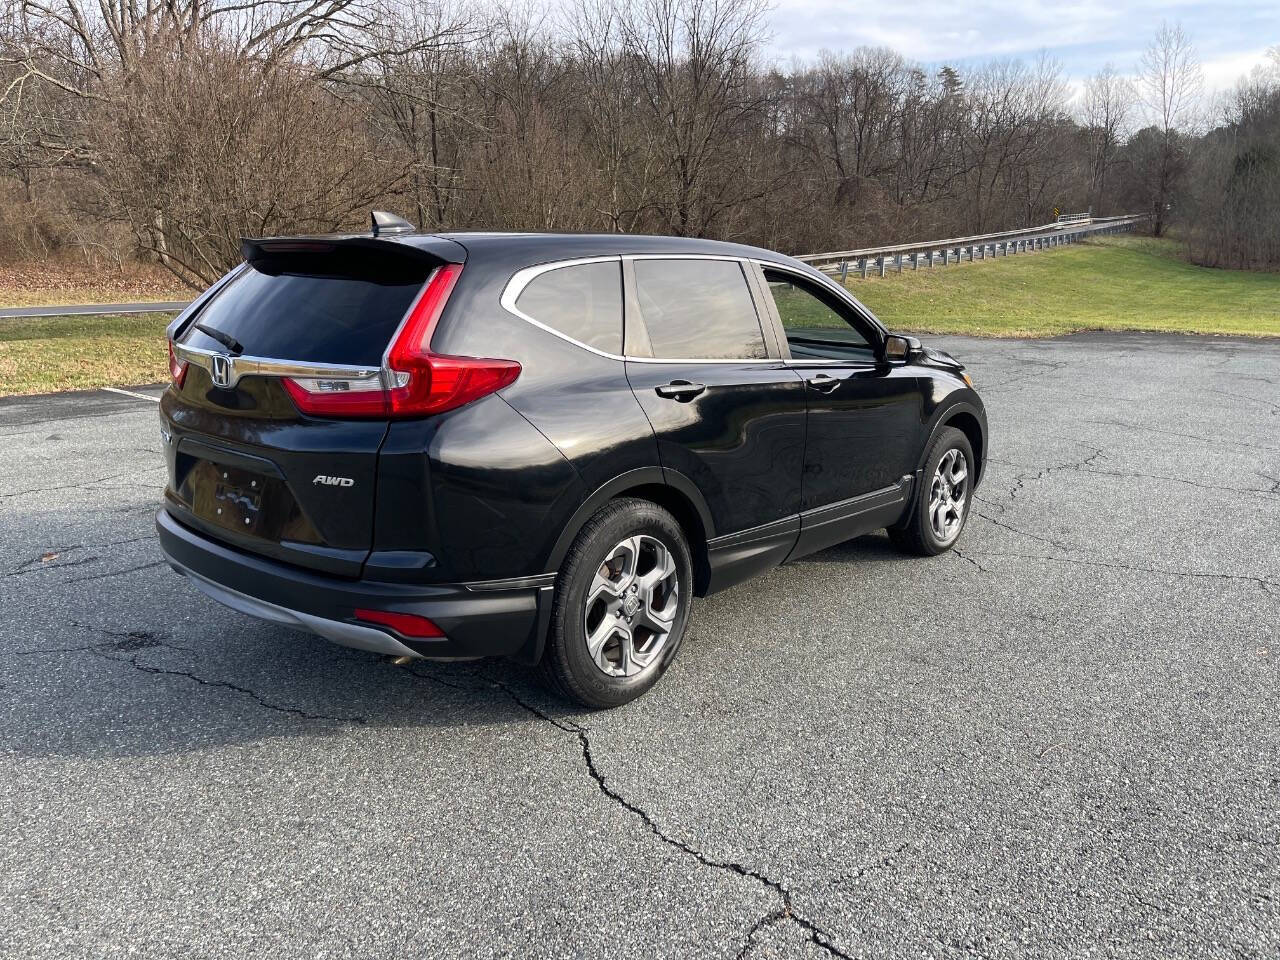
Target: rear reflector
{"type": "Point", "coordinates": [177, 368]}
{"type": "Point", "coordinates": [421, 382]}
{"type": "Point", "coordinates": [405, 624]}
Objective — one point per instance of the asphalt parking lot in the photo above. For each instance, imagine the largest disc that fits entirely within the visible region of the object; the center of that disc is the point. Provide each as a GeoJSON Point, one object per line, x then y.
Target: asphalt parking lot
{"type": "Point", "coordinates": [1061, 740]}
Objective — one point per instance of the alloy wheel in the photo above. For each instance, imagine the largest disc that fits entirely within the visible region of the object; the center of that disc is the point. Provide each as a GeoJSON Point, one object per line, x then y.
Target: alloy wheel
{"type": "Point", "coordinates": [631, 606]}
{"type": "Point", "coordinates": [947, 495]}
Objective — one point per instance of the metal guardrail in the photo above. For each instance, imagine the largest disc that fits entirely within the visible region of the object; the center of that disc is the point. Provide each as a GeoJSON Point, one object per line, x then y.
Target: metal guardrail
{"type": "Point", "coordinates": [94, 309]}
{"type": "Point", "coordinates": [1073, 217]}
{"type": "Point", "coordinates": [945, 252]}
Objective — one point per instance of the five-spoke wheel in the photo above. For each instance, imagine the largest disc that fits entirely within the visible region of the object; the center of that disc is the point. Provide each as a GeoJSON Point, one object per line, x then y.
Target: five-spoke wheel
{"type": "Point", "coordinates": [948, 494]}
{"type": "Point", "coordinates": [631, 606]}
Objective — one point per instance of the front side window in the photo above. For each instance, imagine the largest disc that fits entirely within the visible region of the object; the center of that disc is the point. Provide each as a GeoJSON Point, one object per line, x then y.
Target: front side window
{"type": "Point", "coordinates": [698, 310]}
{"type": "Point", "coordinates": [816, 324]}
{"type": "Point", "coordinates": [582, 301]}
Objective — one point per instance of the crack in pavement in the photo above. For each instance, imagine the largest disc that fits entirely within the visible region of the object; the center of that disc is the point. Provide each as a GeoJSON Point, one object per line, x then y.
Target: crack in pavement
{"type": "Point", "coordinates": [1186, 436]}
{"type": "Point", "coordinates": [773, 918]}
{"type": "Point", "coordinates": [1275, 407]}
{"type": "Point", "coordinates": [1264, 583]}
{"type": "Point", "coordinates": [786, 910]}
{"type": "Point", "coordinates": [1023, 533]}
{"type": "Point", "coordinates": [968, 559]}
{"type": "Point", "coordinates": [1022, 479]}
{"type": "Point", "coordinates": [816, 934]}
{"type": "Point", "coordinates": [114, 573]}
{"type": "Point", "coordinates": [133, 642]}
{"type": "Point", "coordinates": [44, 559]}
{"type": "Point", "coordinates": [228, 685]}
{"type": "Point", "coordinates": [64, 486]}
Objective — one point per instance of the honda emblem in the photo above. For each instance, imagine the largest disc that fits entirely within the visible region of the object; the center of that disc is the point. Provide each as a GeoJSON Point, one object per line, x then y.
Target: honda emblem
{"type": "Point", "coordinates": [220, 370]}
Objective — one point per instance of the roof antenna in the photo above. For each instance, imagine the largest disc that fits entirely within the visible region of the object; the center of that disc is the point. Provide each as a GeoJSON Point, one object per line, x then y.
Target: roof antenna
{"type": "Point", "coordinates": [384, 222]}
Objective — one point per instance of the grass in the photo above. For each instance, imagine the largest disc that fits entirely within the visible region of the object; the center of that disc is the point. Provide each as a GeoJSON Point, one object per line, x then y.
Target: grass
{"type": "Point", "coordinates": [46, 354]}
{"type": "Point", "coordinates": [1114, 283]}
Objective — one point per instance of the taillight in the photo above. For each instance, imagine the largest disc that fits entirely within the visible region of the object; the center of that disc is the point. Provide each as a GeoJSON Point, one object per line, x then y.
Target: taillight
{"type": "Point", "coordinates": [405, 624]}
{"type": "Point", "coordinates": [177, 368]}
{"type": "Point", "coordinates": [421, 382]}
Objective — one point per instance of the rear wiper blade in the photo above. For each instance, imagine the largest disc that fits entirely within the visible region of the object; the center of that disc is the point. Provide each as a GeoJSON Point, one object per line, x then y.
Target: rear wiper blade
{"type": "Point", "coordinates": [228, 341]}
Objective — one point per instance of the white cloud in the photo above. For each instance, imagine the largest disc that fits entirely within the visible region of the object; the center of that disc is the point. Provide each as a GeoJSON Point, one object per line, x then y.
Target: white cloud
{"type": "Point", "coordinates": [1230, 35]}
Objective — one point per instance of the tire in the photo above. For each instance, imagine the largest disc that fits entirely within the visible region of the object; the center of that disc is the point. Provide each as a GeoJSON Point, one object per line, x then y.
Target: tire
{"type": "Point", "coordinates": [628, 543]}
{"type": "Point", "coordinates": [916, 532]}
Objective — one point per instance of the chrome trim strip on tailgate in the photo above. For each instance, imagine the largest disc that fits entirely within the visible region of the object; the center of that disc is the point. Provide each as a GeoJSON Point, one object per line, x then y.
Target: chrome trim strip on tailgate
{"type": "Point", "coordinates": [237, 367]}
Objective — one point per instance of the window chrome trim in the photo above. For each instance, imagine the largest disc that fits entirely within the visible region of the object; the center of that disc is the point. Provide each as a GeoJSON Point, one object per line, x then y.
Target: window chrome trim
{"type": "Point", "coordinates": [240, 367]}
{"type": "Point", "coordinates": [522, 278]}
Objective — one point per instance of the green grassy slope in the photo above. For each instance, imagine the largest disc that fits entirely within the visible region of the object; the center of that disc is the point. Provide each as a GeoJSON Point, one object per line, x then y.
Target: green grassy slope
{"type": "Point", "coordinates": [1116, 283]}
{"type": "Point", "coordinates": [44, 354]}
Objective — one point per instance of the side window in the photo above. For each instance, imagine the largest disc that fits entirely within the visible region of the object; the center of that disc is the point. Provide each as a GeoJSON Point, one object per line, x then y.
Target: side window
{"type": "Point", "coordinates": [698, 310]}
{"type": "Point", "coordinates": [816, 325]}
{"type": "Point", "coordinates": [583, 301]}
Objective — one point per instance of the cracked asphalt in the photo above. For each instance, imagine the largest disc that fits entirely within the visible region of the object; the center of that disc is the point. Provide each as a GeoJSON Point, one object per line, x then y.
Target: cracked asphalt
{"type": "Point", "coordinates": [1061, 740]}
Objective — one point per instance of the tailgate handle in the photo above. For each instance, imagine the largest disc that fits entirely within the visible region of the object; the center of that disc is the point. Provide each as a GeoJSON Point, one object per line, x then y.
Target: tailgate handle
{"type": "Point", "coordinates": [681, 390]}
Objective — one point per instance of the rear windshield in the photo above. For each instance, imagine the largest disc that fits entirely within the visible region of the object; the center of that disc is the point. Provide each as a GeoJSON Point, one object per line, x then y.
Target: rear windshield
{"type": "Point", "coordinates": [317, 308]}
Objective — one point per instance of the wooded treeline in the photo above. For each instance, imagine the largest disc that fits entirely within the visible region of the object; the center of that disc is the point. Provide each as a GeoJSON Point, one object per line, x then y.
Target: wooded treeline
{"type": "Point", "coordinates": [171, 128]}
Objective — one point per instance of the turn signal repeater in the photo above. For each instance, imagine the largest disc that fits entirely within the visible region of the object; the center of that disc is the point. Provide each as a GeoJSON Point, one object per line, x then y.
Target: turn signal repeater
{"type": "Point", "coordinates": [416, 382]}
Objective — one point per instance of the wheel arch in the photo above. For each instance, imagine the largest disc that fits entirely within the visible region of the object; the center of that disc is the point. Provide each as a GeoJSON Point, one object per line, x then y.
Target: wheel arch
{"type": "Point", "coordinates": [971, 420]}
{"type": "Point", "coordinates": [669, 489]}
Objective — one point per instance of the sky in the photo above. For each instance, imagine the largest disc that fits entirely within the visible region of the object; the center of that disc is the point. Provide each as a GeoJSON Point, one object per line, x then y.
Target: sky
{"type": "Point", "coordinates": [1230, 37]}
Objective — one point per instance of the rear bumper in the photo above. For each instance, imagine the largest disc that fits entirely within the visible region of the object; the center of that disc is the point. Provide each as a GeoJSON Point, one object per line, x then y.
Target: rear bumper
{"type": "Point", "coordinates": [491, 618]}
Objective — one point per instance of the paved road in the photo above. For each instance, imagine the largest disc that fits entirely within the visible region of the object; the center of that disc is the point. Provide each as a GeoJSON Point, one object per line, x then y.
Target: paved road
{"type": "Point", "coordinates": [1062, 740]}
{"type": "Point", "coordinates": [94, 309]}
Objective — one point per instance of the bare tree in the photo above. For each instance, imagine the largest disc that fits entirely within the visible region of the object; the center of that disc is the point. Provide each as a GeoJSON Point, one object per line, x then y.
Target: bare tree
{"type": "Point", "coordinates": [1108, 102]}
{"type": "Point", "coordinates": [694, 60]}
{"type": "Point", "coordinates": [1169, 81]}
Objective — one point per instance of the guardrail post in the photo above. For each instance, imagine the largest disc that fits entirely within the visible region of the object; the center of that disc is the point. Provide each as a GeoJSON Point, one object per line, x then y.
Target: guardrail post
{"type": "Point", "coordinates": [882, 266]}
{"type": "Point", "coordinates": [862, 265]}
{"type": "Point", "coordinates": [844, 271]}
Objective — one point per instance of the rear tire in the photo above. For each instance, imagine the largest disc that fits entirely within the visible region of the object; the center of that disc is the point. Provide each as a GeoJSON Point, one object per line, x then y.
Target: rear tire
{"type": "Point", "coordinates": [622, 602]}
{"type": "Point", "coordinates": [941, 506]}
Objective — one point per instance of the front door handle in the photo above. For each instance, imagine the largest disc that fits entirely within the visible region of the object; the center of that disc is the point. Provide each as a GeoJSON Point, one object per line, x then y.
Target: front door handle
{"type": "Point", "coordinates": [680, 390]}
{"type": "Point", "coordinates": [824, 383]}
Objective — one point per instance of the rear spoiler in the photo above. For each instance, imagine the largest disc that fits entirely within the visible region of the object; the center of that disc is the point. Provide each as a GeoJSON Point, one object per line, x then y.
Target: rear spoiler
{"type": "Point", "coordinates": [425, 248]}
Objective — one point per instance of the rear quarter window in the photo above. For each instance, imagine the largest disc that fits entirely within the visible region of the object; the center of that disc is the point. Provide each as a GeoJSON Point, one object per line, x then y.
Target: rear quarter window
{"type": "Point", "coordinates": [582, 301]}
{"type": "Point", "coordinates": [698, 310]}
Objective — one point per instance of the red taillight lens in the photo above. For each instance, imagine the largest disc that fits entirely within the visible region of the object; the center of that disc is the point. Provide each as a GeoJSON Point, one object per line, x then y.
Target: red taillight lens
{"type": "Point", "coordinates": [177, 368]}
{"type": "Point", "coordinates": [405, 624]}
{"type": "Point", "coordinates": [422, 382]}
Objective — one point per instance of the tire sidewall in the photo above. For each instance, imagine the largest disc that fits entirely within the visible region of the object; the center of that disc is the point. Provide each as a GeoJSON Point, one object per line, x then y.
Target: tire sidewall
{"type": "Point", "coordinates": [627, 518]}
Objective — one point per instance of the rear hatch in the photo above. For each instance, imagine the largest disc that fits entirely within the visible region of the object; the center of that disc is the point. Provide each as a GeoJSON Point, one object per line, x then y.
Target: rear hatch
{"type": "Point", "coordinates": [301, 326]}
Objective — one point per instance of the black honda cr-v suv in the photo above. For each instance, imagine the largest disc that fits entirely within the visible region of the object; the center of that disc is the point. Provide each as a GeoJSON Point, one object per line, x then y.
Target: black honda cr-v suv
{"type": "Point", "coordinates": [540, 446]}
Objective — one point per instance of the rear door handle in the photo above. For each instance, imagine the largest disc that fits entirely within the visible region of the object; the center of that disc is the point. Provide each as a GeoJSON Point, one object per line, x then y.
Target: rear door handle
{"type": "Point", "coordinates": [824, 383]}
{"type": "Point", "coordinates": [681, 390]}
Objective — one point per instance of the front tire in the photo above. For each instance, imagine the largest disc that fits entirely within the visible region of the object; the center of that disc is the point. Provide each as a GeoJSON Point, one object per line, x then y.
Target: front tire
{"type": "Point", "coordinates": [941, 505]}
{"type": "Point", "coordinates": [622, 602]}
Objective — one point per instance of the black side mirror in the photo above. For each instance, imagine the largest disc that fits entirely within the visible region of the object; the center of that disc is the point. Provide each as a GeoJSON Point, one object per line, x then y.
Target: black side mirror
{"type": "Point", "coordinates": [900, 349]}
